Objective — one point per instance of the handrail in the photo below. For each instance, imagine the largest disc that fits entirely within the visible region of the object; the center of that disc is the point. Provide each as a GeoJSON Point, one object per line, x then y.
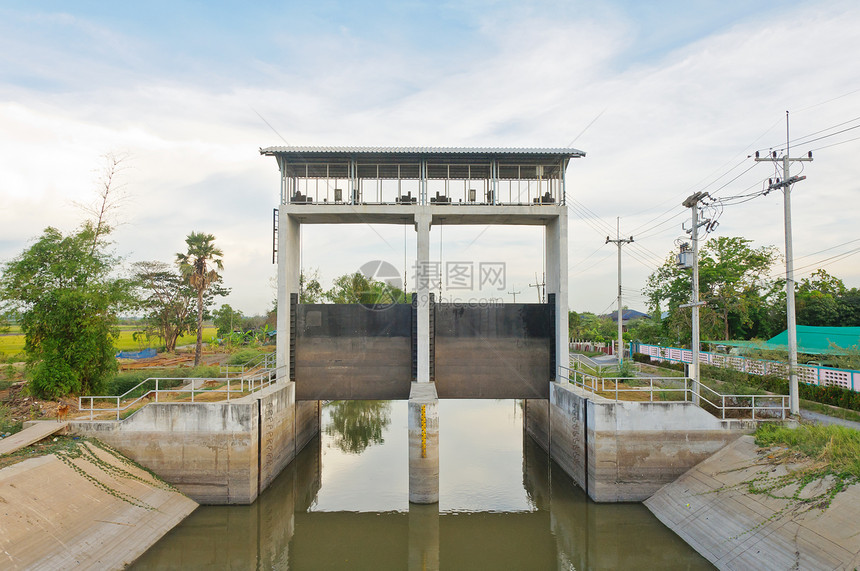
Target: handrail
{"type": "Point", "coordinates": [587, 361]}
{"type": "Point", "coordinates": [264, 360]}
{"type": "Point", "coordinates": [717, 400]}
{"type": "Point", "coordinates": [256, 381]}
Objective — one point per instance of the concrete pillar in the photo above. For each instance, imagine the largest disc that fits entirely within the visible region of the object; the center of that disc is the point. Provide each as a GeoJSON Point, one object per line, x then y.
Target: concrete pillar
{"type": "Point", "coordinates": [423, 444]}
{"type": "Point", "coordinates": [423, 537]}
{"type": "Point", "coordinates": [556, 282]}
{"type": "Point", "coordinates": [289, 271]}
{"type": "Point", "coordinates": [422, 282]}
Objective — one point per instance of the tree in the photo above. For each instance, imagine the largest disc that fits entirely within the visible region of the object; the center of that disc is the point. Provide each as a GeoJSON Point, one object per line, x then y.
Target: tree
{"type": "Point", "coordinates": [732, 281]}
{"type": "Point", "coordinates": [168, 299]}
{"type": "Point", "coordinates": [357, 288]}
{"type": "Point", "coordinates": [733, 275]}
{"type": "Point", "coordinates": [817, 299]}
{"type": "Point", "coordinates": [68, 303]}
{"type": "Point", "coordinates": [227, 319]}
{"type": "Point", "coordinates": [590, 327]}
{"type": "Point", "coordinates": [198, 267]}
{"type": "Point", "coordinates": [310, 290]}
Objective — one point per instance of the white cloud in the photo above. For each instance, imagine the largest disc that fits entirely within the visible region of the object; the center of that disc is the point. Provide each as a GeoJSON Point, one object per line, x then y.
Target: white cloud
{"type": "Point", "coordinates": [672, 123]}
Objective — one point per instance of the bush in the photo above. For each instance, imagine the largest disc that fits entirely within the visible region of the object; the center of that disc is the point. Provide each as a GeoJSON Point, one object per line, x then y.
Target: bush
{"type": "Point", "coordinates": [243, 356]}
{"type": "Point", "coordinates": [124, 382]}
{"type": "Point", "coordinates": [641, 358]}
{"type": "Point", "coordinates": [669, 365]}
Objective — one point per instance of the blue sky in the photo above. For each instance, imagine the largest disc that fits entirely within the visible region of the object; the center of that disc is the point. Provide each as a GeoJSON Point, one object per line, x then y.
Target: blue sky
{"type": "Point", "coordinates": [681, 93]}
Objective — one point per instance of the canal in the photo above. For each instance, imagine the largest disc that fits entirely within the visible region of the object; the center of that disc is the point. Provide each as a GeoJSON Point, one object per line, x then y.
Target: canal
{"type": "Point", "coordinates": [343, 504]}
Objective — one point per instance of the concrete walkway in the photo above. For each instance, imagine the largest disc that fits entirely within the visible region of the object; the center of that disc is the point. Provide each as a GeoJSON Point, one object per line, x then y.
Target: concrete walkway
{"type": "Point", "coordinates": [819, 418]}
{"type": "Point", "coordinates": [33, 433]}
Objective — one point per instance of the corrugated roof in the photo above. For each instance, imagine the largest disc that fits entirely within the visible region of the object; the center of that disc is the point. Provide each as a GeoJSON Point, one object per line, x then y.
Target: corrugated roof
{"type": "Point", "coordinates": [542, 151]}
{"type": "Point", "coordinates": [811, 340]}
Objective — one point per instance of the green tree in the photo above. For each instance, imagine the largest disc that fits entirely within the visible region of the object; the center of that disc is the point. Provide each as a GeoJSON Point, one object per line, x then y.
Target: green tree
{"type": "Point", "coordinates": [733, 283]}
{"type": "Point", "coordinates": [198, 267]}
{"type": "Point", "coordinates": [168, 300]}
{"type": "Point", "coordinates": [357, 288]}
{"type": "Point", "coordinates": [310, 290]}
{"type": "Point", "coordinates": [590, 327]}
{"type": "Point", "coordinates": [227, 319]}
{"type": "Point", "coordinates": [817, 299]}
{"type": "Point", "coordinates": [68, 303]}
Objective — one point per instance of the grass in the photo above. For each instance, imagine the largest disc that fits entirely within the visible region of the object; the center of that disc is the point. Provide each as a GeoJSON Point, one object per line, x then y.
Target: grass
{"type": "Point", "coordinates": [11, 345]}
{"type": "Point", "coordinates": [126, 342]}
{"type": "Point", "coordinates": [835, 447]}
{"type": "Point", "coordinates": [6, 422]}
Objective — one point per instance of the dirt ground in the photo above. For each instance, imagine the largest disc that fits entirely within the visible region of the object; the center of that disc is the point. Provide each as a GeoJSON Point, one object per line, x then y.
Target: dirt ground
{"type": "Point", "coordinates": [23, 407]}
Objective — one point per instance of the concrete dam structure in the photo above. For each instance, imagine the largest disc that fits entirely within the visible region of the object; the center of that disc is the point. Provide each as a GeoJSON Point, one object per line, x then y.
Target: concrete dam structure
{"type": "Point", "coordinates": [229, 452]}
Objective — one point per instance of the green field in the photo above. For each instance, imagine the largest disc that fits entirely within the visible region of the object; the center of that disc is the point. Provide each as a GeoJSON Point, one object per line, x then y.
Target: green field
{"type": "Point", "coordinates": [13, 344]}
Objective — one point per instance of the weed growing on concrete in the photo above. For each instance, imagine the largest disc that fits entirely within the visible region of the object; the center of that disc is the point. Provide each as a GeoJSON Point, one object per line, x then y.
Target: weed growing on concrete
{"type": "Point", "coordinates": [828, 459]}
{"type": "Point", "coordinates": [806, 467]}
{"type": "Point", "coordinates": [72, 452]}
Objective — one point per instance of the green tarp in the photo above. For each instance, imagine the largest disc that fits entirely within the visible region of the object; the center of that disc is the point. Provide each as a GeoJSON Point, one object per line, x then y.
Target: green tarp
{"type": "Point", "coordinates": [810, 341]}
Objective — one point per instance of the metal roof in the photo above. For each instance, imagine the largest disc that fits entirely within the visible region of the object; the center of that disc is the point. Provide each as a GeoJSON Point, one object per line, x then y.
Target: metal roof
{"type": "Point", "coordinates": [457, 151]}
{"type": "Point", "coordinates": [811, 340]}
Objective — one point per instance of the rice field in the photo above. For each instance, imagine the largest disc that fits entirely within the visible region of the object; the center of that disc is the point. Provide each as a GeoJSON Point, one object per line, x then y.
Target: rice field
{"type": "Point", "coordinates": [13, 343]}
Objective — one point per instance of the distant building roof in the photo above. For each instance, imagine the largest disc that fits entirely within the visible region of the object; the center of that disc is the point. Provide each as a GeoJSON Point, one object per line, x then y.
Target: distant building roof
{"type": "Point", "coordinates": [628, 315]}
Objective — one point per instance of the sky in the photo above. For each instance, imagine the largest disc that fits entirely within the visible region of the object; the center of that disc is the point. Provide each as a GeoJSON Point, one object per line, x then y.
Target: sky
{"type": "Point", "coordinates": [665, 98]}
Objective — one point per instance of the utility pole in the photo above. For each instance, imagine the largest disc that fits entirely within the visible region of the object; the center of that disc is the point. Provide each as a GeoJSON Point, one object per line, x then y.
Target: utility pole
{"type": "Point", "coordinates": [692, 202]}
{"type": "Point", "coordinates": [785, 184]}
{"type": "Point", "coordinates": [541, 288]}
{"type": "Point", "coordinates": [619, 242]}
{"type": "Point", "coordinates": [514, 293]}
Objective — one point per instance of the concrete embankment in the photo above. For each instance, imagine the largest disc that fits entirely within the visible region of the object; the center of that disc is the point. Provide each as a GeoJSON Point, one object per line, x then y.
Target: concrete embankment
{"type": "Point", "coordinates": [89, 510]}
{"type": "Point", "coordinates": [736, 529]}
{"type": "Point", "coordinates": [620, 451]}
{"type": "Point", "coordinates": [218, 452]}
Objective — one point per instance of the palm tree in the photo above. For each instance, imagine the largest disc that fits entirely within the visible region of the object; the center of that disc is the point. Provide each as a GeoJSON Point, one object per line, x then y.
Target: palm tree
{"type": "Point", "coordinates": [196, 267]}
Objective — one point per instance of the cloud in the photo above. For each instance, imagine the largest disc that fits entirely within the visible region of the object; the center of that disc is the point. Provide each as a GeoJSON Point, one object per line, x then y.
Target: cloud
{"type": "Point", "coordinates": [676, 109]}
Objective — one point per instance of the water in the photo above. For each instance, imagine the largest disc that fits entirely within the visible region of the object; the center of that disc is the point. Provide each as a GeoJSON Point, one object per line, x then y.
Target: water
{"type": "Point", "coordinates": [343, 504]}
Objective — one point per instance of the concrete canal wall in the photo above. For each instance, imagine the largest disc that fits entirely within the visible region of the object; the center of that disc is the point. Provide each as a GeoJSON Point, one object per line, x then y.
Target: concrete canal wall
{"type": "Point", "coordinates": [216, 453]}
{"type": "Point", "coordinates": [624, 451]}
{"type": "Point", "coordinates": [100, 513]}
{"type": "Point", "coordinates": [735, 529]}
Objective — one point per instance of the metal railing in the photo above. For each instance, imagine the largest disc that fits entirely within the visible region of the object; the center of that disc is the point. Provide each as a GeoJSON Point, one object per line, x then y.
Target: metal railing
{"type": "Point", "coordinates": [194, 387]}
{"type": "Point", "coordinates": [260, 362]}
{"type": "Point", "coordinates": [757, 407]}
{"type": "Point", "coordinates": [584, 361]}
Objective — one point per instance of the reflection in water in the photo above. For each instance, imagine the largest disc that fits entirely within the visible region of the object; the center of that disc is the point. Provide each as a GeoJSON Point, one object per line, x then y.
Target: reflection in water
{"type": "Point", "coordinates": [356, 424]}
{"type": "Point", "coordinates": [535, 519]}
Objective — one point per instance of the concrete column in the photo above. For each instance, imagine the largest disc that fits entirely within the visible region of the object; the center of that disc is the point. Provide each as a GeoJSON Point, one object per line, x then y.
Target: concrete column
{"type": "Point", "coordinates": [423, 537]}
{"type": "Point", "coordinates": [423, 444]}
{"type": "Point", "coordinates": [289, 270]}
{"type": "Point", "coordinates": [556, 282]}
{"type": "Point", "coordinates": [422, 282]}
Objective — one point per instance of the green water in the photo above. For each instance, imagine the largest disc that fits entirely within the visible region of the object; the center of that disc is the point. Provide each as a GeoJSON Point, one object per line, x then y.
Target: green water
{"type": "Point", "coordinates": [343, 504]}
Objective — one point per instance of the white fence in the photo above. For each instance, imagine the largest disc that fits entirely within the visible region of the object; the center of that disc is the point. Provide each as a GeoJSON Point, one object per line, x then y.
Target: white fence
{"type": "Point", "coordinates": [810, 374]}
